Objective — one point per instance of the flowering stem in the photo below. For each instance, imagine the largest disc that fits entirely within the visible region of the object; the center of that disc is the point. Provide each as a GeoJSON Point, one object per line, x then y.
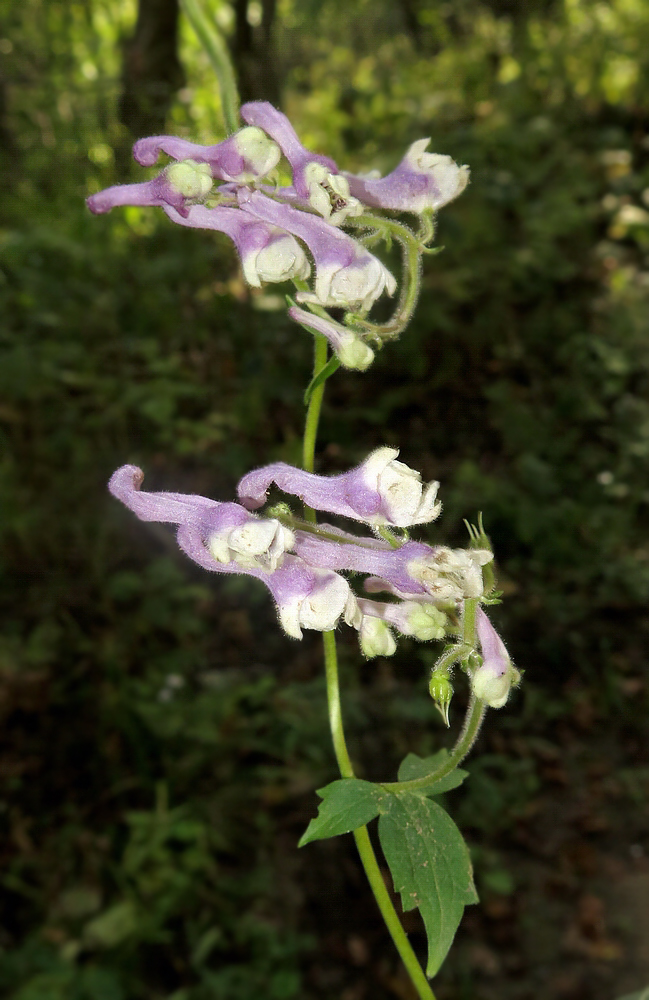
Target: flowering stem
{"type": "Point", "coordinates": [361, 836]}
{"type": "Point", "coordinates": [217, 53]}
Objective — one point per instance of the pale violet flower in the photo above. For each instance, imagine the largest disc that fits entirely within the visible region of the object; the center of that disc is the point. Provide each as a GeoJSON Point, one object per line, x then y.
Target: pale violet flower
{"type": "Point", "coordinates": [278, 127]}
{"type": "Point", "coordinates": [267, 252]}
{"type": "Point", "coordinates": [347, 274]}
{"type": "Point", "coordinates": [414, 571]}
{"type": "Point", "coordinates": [422, 181]}
{"type": "Point", "coordinates": [226, 538]}
{"type": "Point", "coordinates": [352, 352]}
{"type": "Point", "coordinates": [160, 191]}
{"type": "Point", "coordinates": [378, 491]}
{"type": "Point", "coordinates": [493, 680]}
{"type": "Point", "coordinates": [245, 156]}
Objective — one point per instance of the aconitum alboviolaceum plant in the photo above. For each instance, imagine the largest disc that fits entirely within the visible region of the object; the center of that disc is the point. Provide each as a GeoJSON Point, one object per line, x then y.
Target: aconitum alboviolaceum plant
{"type": "Point", "coordinates": [315, 232]}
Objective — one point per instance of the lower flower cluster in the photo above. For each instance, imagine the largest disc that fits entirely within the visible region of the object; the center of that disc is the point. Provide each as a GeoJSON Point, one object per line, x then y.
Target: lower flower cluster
{"type": "Point", "coordinates": [302, 564]}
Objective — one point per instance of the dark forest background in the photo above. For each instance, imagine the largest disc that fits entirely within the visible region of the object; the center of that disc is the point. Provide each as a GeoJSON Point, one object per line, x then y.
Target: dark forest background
{"type": "Point", "coordinates": [161, 740]}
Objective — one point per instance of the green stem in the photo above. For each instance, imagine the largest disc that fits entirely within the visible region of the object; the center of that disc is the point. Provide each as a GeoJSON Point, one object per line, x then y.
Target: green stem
{"type": "Point", "coordinates": [361, 836]}
{"type": "Point", "coordinates": [217, 52]}
{"type": "Point", "coordinates": [313, 414]}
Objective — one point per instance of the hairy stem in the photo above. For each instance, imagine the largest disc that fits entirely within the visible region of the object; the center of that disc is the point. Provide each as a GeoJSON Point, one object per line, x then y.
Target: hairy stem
{"type": "Point", "coordinates": [411, 277]}
{"type": "Point", "coordinates": [217, 52]}
{"type": "Point", "coordinates": [475, 714]}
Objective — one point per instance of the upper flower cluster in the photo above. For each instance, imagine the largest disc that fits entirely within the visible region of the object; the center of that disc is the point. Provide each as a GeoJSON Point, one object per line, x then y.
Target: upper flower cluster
{"type": "Point", "coordinates": [283, 232]}
{"type": "Point", "coordinates": [302, 565]}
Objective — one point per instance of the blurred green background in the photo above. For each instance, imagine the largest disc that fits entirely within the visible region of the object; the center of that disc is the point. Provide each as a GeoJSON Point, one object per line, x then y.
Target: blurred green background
{"type": "Point", "coordinates": [161, 740]}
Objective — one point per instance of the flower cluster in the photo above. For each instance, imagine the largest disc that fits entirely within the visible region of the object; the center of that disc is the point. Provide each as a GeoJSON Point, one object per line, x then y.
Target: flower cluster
{"type": "Point", "coordinates": [303, 564]}
{"type": "Point", "coordinates": [287, 232]}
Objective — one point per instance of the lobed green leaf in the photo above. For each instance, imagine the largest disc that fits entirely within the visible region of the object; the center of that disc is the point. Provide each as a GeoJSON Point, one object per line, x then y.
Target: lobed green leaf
{"type": "Point", "coordinates": [430, 865]}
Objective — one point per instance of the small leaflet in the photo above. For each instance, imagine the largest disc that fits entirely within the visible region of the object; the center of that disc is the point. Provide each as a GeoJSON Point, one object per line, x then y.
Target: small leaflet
{"type": "Point", "coordinates": [346, 804]}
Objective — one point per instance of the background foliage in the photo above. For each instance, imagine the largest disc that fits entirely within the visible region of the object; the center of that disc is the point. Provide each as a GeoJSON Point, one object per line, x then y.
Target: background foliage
{"type": "Point", "coordinates": [161, 741]}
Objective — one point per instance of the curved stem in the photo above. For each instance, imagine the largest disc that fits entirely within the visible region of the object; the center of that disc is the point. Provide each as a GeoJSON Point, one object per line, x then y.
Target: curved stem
{"type": "Point", "coordinates": [411, 278]}
{"type": "Point", "coordinates": [475, 713]}
{"type": "Point", "coordinates": [361, 836]}
{"type": "Point", "coordinates": [217, 53]}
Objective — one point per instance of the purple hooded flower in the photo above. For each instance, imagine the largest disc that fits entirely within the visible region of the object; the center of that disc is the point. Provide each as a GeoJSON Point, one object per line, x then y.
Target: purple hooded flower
{"type": "Point", "coordinates": [414, 571]}
{"type": "Point", "coordinates": [352, 352]}
{"type": "Point", "coordinates": [347, 274]}
{"type": "Point", "coordinates": [278, 127]}
{"type": "Point", "coordinates": [493, 680]}
{"type": "Point", "coordinates": [421, 182]}
{"type": "Point", "coordinates": [244, 157]}
{"type": "Point", "coordinates": [316, 180]}
{"type": "Point", "coordinates": [226, 538]}
{"type": "Point", "coordinates": [378, 491]}
{"type": "Point", "coordinates": [267, 252]}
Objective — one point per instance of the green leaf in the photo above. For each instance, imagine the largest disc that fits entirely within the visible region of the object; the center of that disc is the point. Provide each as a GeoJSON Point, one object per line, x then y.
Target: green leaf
{"type": "Point", "coordinates": [346, 804]}
{"type": "Point", "coordinates": [642, 995]}
{"type": "Point", "coordinates": [414, 767]}
{"type": "Point", "coordinates": [430, 866]}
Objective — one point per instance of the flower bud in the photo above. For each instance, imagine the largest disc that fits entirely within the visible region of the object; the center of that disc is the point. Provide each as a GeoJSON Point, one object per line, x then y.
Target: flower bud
{"type": "Point", "coordinates": [189, 178]}
{"type": "Point", "coordinates": [375, 638]}
{"type": "Point", "coordinates": [441, 691]}
{"type": "Point", "coordinates": [491, 688]}
{"type": "Point", "coordinates": [352, 352]}
{"type": "Point", "coordinates": [493, 680]}
{"type": "Point", "coordinates": [260, 153]}
{"type": "Point", "coordinates": [427, 622]}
